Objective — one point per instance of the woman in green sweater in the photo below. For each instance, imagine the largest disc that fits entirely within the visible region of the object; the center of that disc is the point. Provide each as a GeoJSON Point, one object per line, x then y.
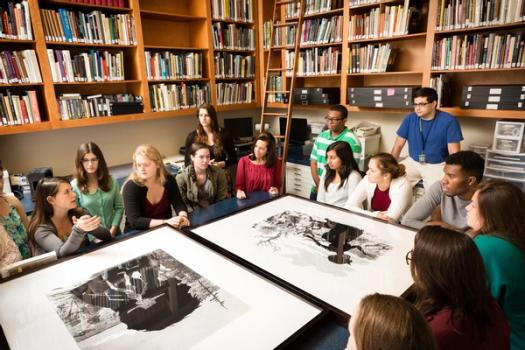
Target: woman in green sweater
{"type": "Point", "coordinates": [96, 190]}
{"type": "Point", "coordinates": [497, 218]}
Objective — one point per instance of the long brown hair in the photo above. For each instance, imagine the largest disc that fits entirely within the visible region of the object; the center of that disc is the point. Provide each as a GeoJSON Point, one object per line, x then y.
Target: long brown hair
{"type": "Point", "coordinates": [271, 155]}
{"type": "Point", "coordinates": [47, 187]}
{"type": "Point", "coordinates": [448, 272]}
{"type": "Point", "coordinates": [153, 154]}
{"type": "Point", "coordinates": [502, 207]}
{"type": "Point", "coordinates": [104, 180]}
{"type": "Point", "coordinates": [387, 164]}
{"type": "Point", "coordinates": [388, 322]}
{"type": "Point", "coordinates": [348, 164]}
{"type": "Point", "coordinates": [202, 137]}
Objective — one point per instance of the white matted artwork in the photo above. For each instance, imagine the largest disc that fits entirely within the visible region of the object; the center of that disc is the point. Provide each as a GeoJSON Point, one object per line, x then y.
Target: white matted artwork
{"type": "Point", "coordinates": [297, 240]}
{"type": "Point", "coordinates": [159, 290]}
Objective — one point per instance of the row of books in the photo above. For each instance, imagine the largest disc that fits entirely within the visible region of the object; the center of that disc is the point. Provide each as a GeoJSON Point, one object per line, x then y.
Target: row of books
{"type": "Point", "coordinates": [228, 65]}
{"type": "Point", "coordinates": [19, 109]}
{"type": "Point", "coordinates": [267, 34]}
{"type": "Point", "coordinates": [15, 21]}
{"type": "Point", "coordinates": [356, 3]}
{"type": "Point", "coordinates": [440, 83]}
{"type": "Point", "coordinates": [169, 97]}
{"type": "Point", "coordinates": [169, 65]}
{"type": "Point", "coordinates": [236, 10]}
{"type": "Point", "coordinates": [86, 67]}
{"type": "Point", "coordinates": [19, 67]}
{"type": "Point", "coordinates": [114, 3]}
{"type": "Point", "coordinates": [454, 14]}
{"type": "Point", "coordinates": [275, 83]}
{"type": "Point", "coordinates": [479, 51]}
{"type": "Point", "coordinates": [76, 106]}
{"type": "Point", "coordinates": [88, 27]}
{"type": "Point", "coordinates": [233, 37]}
{"type": "Point", "coordinates": [315, 61]}
{"type": "Point", "coordinates": [316, 6]}
{"type": "Point", "coordinates": [322, 30]}
{"type": "Point", "coordinates": [393, 20]}
{"type": "Point", "coordinates": [292, 9]}
{"type": "Point", "coordinates": [370, 58]}
{"type": "Point", "coordinates": [232, 93]}
{"type": "Point", "coordinates": [288, 36]}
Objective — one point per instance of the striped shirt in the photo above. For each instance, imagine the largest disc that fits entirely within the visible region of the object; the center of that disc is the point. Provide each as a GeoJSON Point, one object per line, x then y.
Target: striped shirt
{"type": "Point", "coordinates": [325, 139]}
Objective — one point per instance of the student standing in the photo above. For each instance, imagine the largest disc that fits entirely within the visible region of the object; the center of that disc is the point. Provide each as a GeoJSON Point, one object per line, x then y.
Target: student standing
{"type": "Point", "coordinates": [497, 217]}
{"type": "Point", "coordinates": [96, 190]}
{"type": "Point", "coordinates": [385, 189]}
{"type": "Point", "coordinates": [432, 135]}
{"type": "Point", "coordinates": [150, 193]}
{"type": "Point", "coordinates": [340, 177]}
{"type": "Point", "coordinates": [57, 224]}
{"type": "Point", "coordinates": [336, 131]}
{"type": "Point", "coordinates": [201, 183]}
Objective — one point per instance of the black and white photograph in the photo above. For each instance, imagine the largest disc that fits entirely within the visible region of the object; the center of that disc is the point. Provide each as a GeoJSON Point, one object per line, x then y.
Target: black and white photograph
{"type": "Point", "coordinates": [138, 299]}
{"type": "Point", "coordinates": [333, 254]}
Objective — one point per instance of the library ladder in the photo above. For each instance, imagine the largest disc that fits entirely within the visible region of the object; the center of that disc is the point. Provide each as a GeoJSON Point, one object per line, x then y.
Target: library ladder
{"type": "Point", "coordinates": [280, 22]}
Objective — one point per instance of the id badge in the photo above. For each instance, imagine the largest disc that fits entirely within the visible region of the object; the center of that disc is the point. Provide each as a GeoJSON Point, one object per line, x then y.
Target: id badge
{"type": "Point", "coordinates": [422, 158]}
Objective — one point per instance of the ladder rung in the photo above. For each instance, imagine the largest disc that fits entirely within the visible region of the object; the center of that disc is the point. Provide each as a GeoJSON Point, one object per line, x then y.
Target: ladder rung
{"type": "Point", "coordinates": [274, 114]}
{"type": "Point", "coordinates": [278, 69]}
{"type": "Point", "coordinates": [282, 47]}
{"type": "Point", "coordinates": [277, 92]}
{"type": "Point", "coordinates": [287, 24]}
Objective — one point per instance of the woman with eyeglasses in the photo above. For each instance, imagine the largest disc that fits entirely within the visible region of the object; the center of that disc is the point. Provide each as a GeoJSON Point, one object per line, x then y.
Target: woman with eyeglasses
{"type": "Point", "coordinates": [96, 190]}
{"type": "Point", "coordinates": [341, 175]}
{"type": "Point", "coordinates": [58, 224]}
{"type": "Point", "coordinates": [451, 291]}
{"type": "Point", "coordinates": [496, 215]}
{"type": "Point", "coordinates": [384, 190]}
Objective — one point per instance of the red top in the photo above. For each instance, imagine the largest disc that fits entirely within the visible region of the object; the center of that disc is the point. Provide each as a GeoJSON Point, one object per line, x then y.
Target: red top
{"type": "Point", "coordinates": [257, 177]}
{"type": "Point", "coordinates": [161, 210]}
{"type": "Point", "coordinates": [380, 200]}
{"type": "Point", "coordinates": [462, 335]}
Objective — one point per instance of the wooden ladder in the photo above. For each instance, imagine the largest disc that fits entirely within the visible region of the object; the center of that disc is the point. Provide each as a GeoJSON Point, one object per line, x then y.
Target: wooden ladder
{"type": "Point", "coordinates": [279, 21]}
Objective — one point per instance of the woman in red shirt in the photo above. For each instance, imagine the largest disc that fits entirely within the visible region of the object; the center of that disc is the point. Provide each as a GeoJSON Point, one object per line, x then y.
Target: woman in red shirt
{"type": "Point", "coordinates": [261, 170]}
{"type": "Point", "coordinates": [452, 291]}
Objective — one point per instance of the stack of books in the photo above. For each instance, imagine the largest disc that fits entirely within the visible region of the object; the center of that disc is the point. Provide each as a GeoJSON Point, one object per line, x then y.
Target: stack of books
{"type": "Point", "coordinates": [233, 37]}
{"type": "Point", "coordinates": [236, 10]}
{"type": "Point", "coordinates": [233, 93]}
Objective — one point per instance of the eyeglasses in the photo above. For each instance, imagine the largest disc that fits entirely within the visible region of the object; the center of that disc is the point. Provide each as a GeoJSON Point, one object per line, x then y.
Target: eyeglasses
{"type": "Point", "coordinates": [328, 119]}
{"type": "Point", "coordinates": [408, 257]}
{"type": "Point", "coordinates": [421, 104]}
{"type": "Point", "coordinates": [92, 160]}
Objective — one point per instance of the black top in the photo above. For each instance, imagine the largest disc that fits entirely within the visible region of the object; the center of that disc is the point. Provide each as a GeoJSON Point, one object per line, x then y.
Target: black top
{"type": "Point", "coordinates": [135, 203]}
{"type": "Point", "coordinates": [228, 148]}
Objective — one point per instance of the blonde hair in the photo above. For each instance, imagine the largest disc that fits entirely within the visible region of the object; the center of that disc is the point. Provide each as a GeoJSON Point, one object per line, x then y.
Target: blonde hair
{"type": "Point", "coordinates": [387, 164]}
{"type": "Point", "coordinates": [153, 154]}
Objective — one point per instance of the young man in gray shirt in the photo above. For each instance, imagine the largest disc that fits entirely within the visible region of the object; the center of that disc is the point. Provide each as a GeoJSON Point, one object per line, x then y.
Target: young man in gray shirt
{"type": "Point", "coordinates": [445, 201]}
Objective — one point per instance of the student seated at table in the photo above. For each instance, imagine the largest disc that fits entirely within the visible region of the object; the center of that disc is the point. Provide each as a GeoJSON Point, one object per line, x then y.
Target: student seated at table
{"type": "Point", "coordinates": [96, 190]}
{"type": "Point", "coordinates": [451, 291]}
{"type": "Point", "coordinates": [9, 252]}
{"type": "Point", "coordinates": [341, 175]}
{"type": "Point", "coordinates": [201, 183]}
{"type": "Point", "coordinates": [57, 224]}
{"type": "Point", "coordinates": [14, 219]}
{"type": "Point", "coordinates": [445, 201]}
{"type": "Point", "coordinates": [385, 189]}
{"type": "Point", "coordinates": [388, 322]}
{"type": "Point", "coordinates": [261, 170]}
{"type": "Point", "coordinates": [497, 218]}
{"type": "Point", "coordinates": [150, 193]}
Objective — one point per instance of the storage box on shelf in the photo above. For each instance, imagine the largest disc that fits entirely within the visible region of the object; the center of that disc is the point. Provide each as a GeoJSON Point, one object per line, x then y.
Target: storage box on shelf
{"type": "Point", "coordinates": [505, 166]}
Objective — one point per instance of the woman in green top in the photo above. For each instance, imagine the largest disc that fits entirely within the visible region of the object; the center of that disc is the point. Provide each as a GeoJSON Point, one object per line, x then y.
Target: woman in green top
{"type": "Point", "coordinates": [497, 218]}
{"type": "Point", "coordinates": [14, 219]}
{"type": "Point", "coordinates": [96, 190]}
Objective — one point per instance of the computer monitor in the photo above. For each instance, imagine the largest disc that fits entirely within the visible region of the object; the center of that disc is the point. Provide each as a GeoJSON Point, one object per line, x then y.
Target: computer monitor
{"type": "Point", "coordinates": [241, 129]}
{"type": "Point", "coordinates": [298, 130]}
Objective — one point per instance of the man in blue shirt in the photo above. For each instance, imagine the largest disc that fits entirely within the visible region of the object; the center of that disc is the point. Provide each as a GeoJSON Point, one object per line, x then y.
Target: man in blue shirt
{"type": "Point", "coordinates": [432, 136]}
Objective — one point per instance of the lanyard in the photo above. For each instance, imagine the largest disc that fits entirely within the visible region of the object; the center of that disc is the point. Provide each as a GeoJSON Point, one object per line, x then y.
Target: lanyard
{"type": "Point", "coordinates": [423, 138]}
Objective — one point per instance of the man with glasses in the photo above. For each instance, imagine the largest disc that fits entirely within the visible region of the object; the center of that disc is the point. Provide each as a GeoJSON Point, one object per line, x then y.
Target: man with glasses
{"type": "Point", "coordinates": [432, 136]}
{"type": "Point", "coordinates": [336, 131]}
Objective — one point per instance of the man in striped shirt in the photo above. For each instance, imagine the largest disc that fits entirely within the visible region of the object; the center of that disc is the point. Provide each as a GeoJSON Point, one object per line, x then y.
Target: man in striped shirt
{"type": "Point", "coordinates": [337, 131]}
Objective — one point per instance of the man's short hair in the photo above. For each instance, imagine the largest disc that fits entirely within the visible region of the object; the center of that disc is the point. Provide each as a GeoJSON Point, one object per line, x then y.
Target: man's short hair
{"type": "Point", "coordinates": [472, 164]}
{"type": "Point", "coordinates": [427, 92]}
{"type": "Point", "coordinates": [341, 109]}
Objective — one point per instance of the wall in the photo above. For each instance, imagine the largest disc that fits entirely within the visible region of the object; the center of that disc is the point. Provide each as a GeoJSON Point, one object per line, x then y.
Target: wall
{"type": "Point", "coordinates": [21, 153]}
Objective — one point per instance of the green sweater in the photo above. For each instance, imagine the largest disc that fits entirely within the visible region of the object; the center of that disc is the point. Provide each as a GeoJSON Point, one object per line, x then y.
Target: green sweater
{"type": "Point", "coordinates": [106, 205]}
{"type": "Point", "coordinates": [505, 265]}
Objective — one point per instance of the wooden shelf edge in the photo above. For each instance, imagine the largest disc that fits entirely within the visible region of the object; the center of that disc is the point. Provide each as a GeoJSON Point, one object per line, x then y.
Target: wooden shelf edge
{"type": "Point", "coordinates": [375, 110]}
{"type": "Point", "coordinates": [20, 129]}
{"type": "Point", "coordinates": [99, 82]}
{"type": "Point", "coordinates": [388, 38]}
{"type": "Point", "coordinates": [478, 70]}
{"type": "Point", "coordinates": [386, 73]}
{"type": "Point", "coordinates": [480, 28]}
{"type": "Point", "coordinates": [174, 48]}
{"type": "Point", "coordinates": [79, 44]}
{"type": "Point", "coordinates": [86, 6]}
{"type": "Point", "coordinates": [16, 41]}
{"type": "Point", "coordinates": [484, 113]}
{"type": "Point", "coordinates": [171, 16]}
{"type": "Point", "coordinates": [235, 106]}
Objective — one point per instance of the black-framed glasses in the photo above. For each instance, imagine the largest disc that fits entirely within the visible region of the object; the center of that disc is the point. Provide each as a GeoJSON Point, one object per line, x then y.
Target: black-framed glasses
{"type": "Point", "coordinates": [408, 257]}
{"type": "Point", "coordinates": [421, 104]}
{"type": "Point", "coordinates": [328, 119]}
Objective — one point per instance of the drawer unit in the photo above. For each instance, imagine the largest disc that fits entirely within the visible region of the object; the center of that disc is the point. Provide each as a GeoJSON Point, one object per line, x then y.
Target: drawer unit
{"type": "Point", "coordinates": [508, 136]}
{"type": "Point", "coordinates": [504, 166]}
{"type": "Point", "coordinates": [298, 179]}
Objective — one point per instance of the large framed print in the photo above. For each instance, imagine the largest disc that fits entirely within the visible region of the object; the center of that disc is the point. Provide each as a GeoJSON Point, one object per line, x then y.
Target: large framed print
{"type": "Point", "coordinates": [159, 290]}
{"type": "Point", "coordinates": [333, 255]}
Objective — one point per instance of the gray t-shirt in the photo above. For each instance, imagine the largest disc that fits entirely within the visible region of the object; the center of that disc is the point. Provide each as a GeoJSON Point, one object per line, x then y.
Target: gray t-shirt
{"type": "Point", "coordinates": [453, 209]}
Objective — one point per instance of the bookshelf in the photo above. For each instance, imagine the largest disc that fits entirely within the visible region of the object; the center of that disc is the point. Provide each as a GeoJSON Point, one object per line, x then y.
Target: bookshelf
{"type": "Point", "coordinates": [428, 22]}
